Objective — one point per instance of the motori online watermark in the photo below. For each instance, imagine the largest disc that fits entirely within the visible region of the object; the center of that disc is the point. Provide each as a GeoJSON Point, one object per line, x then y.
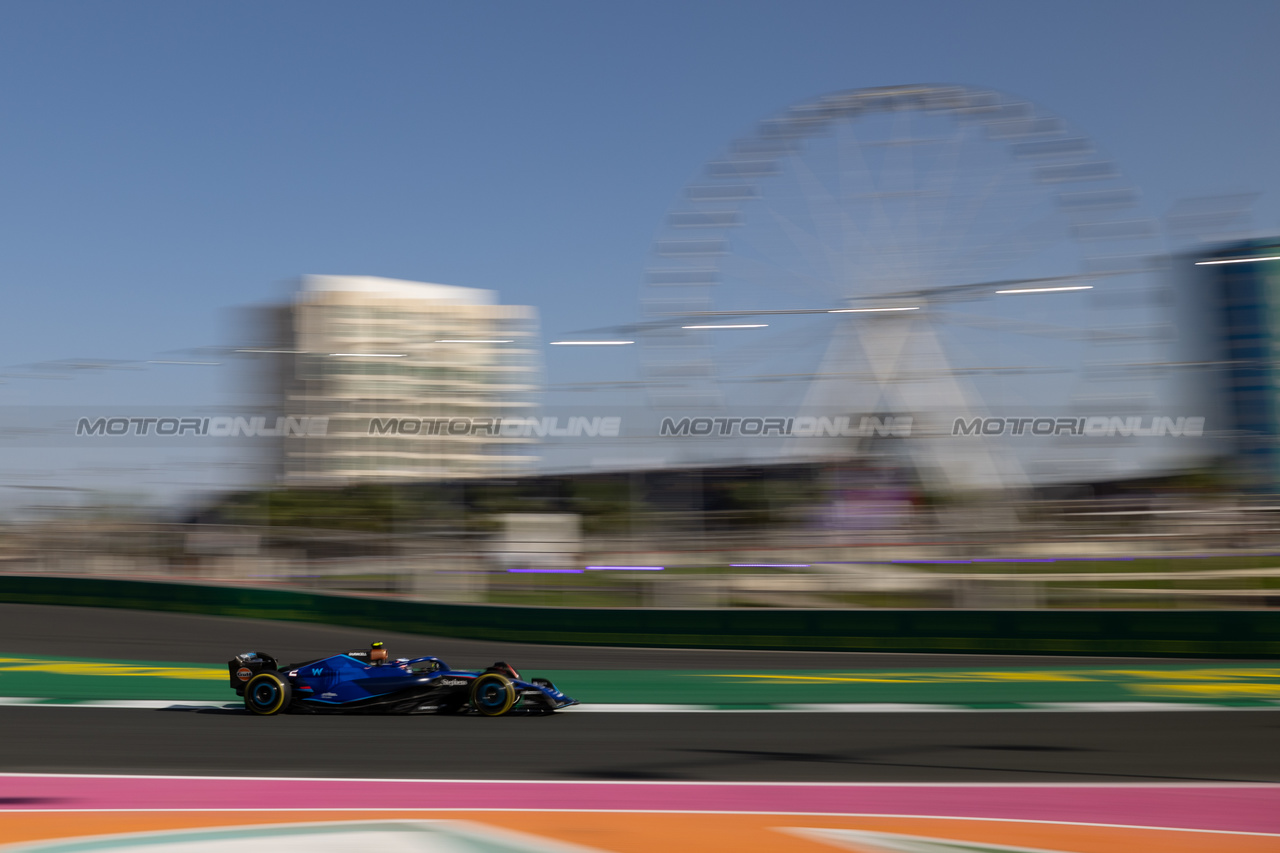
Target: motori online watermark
{"type": "Point", "coordinates": [1092, 426]}
{"type": "Point", "coordinates": [253, 426]}
{"type": "Point", "coordinates": [574, 427]}
{"type": "Point", "coordinates": [840, 426]}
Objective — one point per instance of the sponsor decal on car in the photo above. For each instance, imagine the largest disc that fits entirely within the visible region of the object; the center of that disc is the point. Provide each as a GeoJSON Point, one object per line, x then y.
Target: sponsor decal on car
{"type": "Point", "coordinates": [453, 682]}
{"type": "Point", "coordinates": [244, 673]}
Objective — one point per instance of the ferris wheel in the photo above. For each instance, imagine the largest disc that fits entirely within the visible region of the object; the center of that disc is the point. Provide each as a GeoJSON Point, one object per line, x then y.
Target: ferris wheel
{"type": "Point", "coordinates": [925, 250]}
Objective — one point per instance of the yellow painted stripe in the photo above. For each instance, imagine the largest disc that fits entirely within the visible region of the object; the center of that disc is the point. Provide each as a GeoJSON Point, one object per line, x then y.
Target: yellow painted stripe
{"type": "Point", "coordinates": [1197, 674]}
{"type": "Point", "coordinates": [1221, 690]}
{"type": "Point", "coordinates": [1222, 675]}
{"type": "Point", "coordinates": [69, 667]}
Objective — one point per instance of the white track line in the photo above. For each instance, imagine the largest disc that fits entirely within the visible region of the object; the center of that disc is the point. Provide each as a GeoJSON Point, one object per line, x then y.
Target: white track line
{"type": "Point", "coordinates": [870, 707]}
{"type": "Point", "coordinates": [655, 708]}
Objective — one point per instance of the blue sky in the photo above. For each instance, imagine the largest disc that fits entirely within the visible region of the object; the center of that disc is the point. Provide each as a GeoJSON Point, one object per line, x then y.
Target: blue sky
{"type": "Point", "coordinates": [161, 163]}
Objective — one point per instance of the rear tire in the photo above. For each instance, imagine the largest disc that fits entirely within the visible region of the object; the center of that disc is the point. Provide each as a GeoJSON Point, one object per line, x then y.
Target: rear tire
{"type": "Point", "coordinates": [267, 693]}
{"type": "Point", "coordinates": [493, 694]}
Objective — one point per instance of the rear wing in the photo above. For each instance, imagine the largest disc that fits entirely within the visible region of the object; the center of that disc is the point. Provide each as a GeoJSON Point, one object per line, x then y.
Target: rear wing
{"type": "Point", "coordinates": [243, 667]}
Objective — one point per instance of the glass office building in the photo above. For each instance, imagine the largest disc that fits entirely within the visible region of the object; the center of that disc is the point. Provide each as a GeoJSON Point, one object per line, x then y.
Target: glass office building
{"type": "Point", "coordinates": [1244, 287]}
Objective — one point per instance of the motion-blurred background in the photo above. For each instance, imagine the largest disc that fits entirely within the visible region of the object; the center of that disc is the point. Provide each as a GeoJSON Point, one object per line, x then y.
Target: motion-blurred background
{"type": "Point", "coordinates": [730, 305]}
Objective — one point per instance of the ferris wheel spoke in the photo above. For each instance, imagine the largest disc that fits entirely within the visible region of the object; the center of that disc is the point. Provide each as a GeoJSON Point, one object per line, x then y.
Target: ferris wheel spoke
{"type": "Point", "coordinates": [881, 223]}
{"type": "Point", "coordinates": [914, 194]}
{"type": "Point", "coordinates": [1020, 327]}
{"type": "Point", "coordinates": [966, 220]}
{"type": "Point", "coordinates": [761, 350]}
{"type": "Point", "coordinates": [955, 148]}
{"type": "Point", "coordinates": [1025, 241]}
{"type": "Point", "coordinates": [840, 227]}
{"type": "Point", "coordinates": [809, 246]}
{"type": "Point", "coordinates": [774, 276]}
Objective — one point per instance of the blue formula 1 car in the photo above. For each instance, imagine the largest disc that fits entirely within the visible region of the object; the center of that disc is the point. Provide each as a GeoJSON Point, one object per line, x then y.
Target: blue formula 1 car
{"type": "Point", "coordinates": [365, 682]}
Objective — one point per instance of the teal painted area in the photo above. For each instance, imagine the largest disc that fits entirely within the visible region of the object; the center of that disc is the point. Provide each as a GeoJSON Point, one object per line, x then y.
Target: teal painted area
{"type": "Point", "coordinates": [934, 686]}
{"type": "Point", "coordinates": [1171, 633]}
{"type": "Point", "coordinates": [46, 686]}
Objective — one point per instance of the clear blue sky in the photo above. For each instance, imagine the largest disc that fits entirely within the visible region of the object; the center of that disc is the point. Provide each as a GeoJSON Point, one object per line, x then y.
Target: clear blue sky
{"type": "Point", "coordinates": [161, 162]}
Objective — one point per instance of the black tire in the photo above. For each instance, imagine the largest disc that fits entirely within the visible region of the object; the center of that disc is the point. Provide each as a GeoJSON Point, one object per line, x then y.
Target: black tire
{"type": "Point", "coordinates": [493, 694]}
{"type": "Point", "coordinates": [267, 693]}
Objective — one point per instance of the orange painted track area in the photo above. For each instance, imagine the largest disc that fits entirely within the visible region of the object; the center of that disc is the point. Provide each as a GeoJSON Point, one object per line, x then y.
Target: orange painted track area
{"type": "Point", "coordinates": [635, 832]}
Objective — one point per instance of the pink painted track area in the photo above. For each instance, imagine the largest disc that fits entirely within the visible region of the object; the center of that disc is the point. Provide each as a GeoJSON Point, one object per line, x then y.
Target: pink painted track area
{"type": "Point", "coordinates": [1227, 807]}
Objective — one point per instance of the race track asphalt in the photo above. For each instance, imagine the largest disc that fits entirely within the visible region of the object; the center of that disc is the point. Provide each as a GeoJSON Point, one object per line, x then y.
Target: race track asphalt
{"type": "Point", "coordinates": [1011, 747]}
{"type": "Point", "coordinates": [1016, 746]}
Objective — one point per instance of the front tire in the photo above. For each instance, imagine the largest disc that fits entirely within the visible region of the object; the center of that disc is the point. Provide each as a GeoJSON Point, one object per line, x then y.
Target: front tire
{"type": "Point", "coordinates": [267, 693]}
{"type": "Point", "coordinates": [493, 694]}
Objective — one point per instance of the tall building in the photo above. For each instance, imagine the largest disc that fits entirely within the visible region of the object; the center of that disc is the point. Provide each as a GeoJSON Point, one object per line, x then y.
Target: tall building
{"type": "Point", "coordinates": [1244, 283]}
{"type": "Point", "coordinates": [394, 365]}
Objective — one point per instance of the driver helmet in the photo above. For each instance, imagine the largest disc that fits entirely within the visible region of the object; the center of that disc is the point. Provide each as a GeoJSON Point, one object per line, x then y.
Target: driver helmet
{"type": "Point", "coordinates": [377, 653]}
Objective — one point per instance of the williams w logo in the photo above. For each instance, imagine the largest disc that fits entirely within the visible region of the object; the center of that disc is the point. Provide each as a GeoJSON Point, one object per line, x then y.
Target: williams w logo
{"type": "Point", "coordinates": [317, 672]}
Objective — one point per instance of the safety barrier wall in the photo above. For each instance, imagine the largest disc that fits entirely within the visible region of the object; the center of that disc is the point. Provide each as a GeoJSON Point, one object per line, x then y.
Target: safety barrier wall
{"type": "Point", "coordinates": [1207, 633]}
